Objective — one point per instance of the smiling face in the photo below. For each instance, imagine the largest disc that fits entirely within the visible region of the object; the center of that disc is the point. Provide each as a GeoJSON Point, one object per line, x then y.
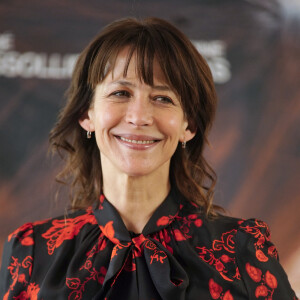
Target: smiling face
{"type": "Point", "coordinates": [137, 126]}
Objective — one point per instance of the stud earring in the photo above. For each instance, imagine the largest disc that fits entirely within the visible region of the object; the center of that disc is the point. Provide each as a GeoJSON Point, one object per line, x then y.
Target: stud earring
{"type": "Point", "coordinates": [183, 144]}
{"type": "Point", "coordinates": [88, 135]}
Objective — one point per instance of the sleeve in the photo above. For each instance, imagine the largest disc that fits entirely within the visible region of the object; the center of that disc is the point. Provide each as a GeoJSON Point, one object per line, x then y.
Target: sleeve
{"type": "Point", "coordinates": [17, 263]}
{"type": "Point", "coordinates": [258, 263]}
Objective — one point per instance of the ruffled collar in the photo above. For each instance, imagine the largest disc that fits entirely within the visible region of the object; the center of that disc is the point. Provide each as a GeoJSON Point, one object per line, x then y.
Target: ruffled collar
{"type": "Point", "coordinates": [108, 217]}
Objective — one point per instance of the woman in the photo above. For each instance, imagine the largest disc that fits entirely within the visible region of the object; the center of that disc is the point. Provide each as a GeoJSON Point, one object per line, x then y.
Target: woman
{"type": "Point", "coordinates": [140, 105]}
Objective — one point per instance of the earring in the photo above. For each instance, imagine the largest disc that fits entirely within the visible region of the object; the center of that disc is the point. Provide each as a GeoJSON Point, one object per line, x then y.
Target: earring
{"type": "Point", "coordinates": [183, 144]}
{"type": "Point", "coordinates": [88, 135]}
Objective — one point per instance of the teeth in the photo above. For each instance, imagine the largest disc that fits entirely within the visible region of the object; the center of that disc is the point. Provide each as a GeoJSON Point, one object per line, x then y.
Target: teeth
{"type": "Point", "coordinates": [135, 141]}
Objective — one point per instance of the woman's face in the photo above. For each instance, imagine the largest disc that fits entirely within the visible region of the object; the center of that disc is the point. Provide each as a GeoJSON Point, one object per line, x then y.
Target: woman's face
{"type": "Point", "coordinates": [137, 126]}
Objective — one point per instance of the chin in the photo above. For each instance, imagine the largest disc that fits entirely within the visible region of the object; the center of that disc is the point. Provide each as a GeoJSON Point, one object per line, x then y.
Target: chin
{"type": "Point", "coordinates": [137, 171]}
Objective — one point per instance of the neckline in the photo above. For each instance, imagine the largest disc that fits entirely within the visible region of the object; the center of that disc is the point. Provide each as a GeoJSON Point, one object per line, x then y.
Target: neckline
{"type": "Point", "coordinates": [112, 225]}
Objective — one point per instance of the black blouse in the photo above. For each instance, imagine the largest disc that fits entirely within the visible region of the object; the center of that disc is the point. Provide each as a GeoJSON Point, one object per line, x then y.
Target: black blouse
{"type": "Point", "coordinates": [181, 254]}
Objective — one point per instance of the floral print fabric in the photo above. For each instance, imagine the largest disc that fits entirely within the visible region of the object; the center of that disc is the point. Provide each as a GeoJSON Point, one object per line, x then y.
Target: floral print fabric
{"type": "Point", "coordinates": [181, 254]}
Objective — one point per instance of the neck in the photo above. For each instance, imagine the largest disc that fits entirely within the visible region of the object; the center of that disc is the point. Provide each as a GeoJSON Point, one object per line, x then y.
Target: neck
{"type": "Point", "coordinates": [135, 197]}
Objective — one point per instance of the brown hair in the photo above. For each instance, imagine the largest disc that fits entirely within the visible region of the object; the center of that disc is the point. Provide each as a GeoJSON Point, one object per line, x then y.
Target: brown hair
{"type": "Point", "coordinates": [185, 71]}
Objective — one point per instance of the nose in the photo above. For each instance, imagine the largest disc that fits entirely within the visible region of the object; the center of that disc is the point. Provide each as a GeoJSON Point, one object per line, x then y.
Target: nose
{"type": "Point", "coordinates": [139, 112]}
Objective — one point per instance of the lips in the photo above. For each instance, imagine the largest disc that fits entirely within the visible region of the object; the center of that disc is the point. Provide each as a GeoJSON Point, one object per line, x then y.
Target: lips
{"type": "Point", "coordinates": [137, 141]}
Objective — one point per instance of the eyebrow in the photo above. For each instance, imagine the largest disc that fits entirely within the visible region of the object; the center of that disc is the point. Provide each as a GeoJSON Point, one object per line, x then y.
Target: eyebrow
{"type": "Point", "coordinates": [129, 84]}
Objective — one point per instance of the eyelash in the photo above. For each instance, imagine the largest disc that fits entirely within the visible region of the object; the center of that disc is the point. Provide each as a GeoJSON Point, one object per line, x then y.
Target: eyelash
{"type": "Point", "coordinates": [124, 93]}
{"type": "Point", "coordinates": [165, 99]}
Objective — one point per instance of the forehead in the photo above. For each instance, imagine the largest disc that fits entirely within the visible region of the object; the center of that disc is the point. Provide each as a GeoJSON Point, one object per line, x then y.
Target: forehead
{"type": "Point", "coordinates": [129, 65]}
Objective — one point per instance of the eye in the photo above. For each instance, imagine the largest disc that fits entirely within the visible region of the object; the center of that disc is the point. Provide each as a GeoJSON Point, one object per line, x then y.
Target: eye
{"type": "Point", "coordinates": [163, 99]}
{"type": "Point", "coordinates": [121, 93]}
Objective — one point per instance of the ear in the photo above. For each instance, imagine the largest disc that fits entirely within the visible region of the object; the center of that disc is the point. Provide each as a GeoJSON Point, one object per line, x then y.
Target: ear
{"type": "Point", "coordinates": [187, 136]}
{"type": "Point", "coordinates": [86, 122]}
{"type": "Point", "coordinates": [188, 133]}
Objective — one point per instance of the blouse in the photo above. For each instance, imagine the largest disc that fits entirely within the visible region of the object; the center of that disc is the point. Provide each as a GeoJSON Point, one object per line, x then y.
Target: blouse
{"type": "Point", "coordinates": [180, 254]}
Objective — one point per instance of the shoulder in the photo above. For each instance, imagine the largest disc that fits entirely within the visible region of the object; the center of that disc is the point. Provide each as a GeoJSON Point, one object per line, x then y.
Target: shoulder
{"type": "Point", "coordinates": [239, 229]}
{"type": "Point", "coordinates": [242, 238]}
{"type": "Point", "coordinates": [258, 262]}
{"type": "Point", "coordinates": [210, 227]}
{"type": "Point", "coordinates": [255, 235]}
{"type": "Point", "coordinates": [25, 234]}
{"type": "Point", "coordinates": [49, 233]}
{"type": "Point", "coordinates": [223, 225]}
{"type": "Point", "coordinates": [242, 250]}
{"type": "Point", "coordinates": [220, 224]}
{"type": "Point", "coordinates": [34, 244]}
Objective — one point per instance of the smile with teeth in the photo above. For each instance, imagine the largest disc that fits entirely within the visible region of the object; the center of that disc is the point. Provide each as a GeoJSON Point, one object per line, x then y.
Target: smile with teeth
{"type": "Point", "coordinates": [137, 141]}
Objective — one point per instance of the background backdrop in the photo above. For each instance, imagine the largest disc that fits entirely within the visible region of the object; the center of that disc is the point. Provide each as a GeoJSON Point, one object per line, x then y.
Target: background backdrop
{"type": "Point", "coordinates": [253, 48]}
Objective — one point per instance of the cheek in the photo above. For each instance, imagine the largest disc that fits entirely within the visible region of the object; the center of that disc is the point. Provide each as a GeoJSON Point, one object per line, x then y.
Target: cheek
{"type": "Point", "coordinates": [173, 125]}
{"type": "Point", "coordinates": [105, 119]}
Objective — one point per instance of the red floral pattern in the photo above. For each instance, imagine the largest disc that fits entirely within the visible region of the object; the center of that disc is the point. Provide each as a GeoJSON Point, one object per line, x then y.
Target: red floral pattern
{"type": "Point", "coordinates": [222, 255]}
{"type": "Point", "coordinates": [20, 273]}
{"type": "Point", "coordinates": [261, 233]}
{"type": "Point", "coordinates": [164, 220]}
{"type": "Point", "coordinates": [117, 248]}
{"type": "Point", "coordinates": [216, 291]}
{"type": "Point", "coordinates": [102, 244]}
{"type": "Point", "coordinates": [109, 232]}
{"type": "Point", "coordinates": [24, 233]}
{"type": "Point", "coordinates": [78, 286]}
{"type": "Point", "coordinates": [101, 200]}
{"type": "Point", "coordinates": [185, 225]}
{"type": "Point", "coordinates": [25, 239]}
{"type": "Point", "coordinates": [164, 238]}
{"type": "Point", "coordinates": [31, 293]}
{"type": "Point", "coordinates": [66, 229]}
{"type": "Point", "coordinates": [267, 282]}
{"type": "Point", "coordinates": [227, 242]}
{"type": "Point", "coordinates": [181, 234]}
{"type": "Point", "coordinates": [158, 255]}
{"type": "Point", "coordinates": [254, 273]}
